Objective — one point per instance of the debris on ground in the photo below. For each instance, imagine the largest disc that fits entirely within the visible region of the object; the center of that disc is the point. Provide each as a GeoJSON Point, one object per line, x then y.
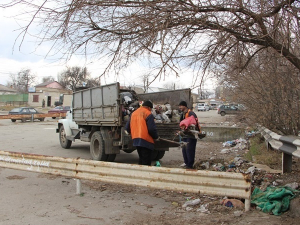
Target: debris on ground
{"type": "Point", "coordinates": [203, 208]}
{"type": "Point", "coordinates": [293, 185]}
{"type": "Point", "coordinates": [191, 203]}
{"type": "Point", "coordinates": [275, 200]}
{"type": "Point", "coordinates": [233, 203]}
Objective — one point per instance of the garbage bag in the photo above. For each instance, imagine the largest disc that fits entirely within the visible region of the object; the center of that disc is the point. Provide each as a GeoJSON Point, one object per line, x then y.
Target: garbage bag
{"type": "Point", "coordinates": [188, 122]}
{"type": "Point", "coordinates": [274, 200]}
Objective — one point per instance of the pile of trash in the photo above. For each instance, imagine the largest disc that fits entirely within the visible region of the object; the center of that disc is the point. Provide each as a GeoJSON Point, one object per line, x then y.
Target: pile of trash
{"type": "Point", "coordinates": [129, 103]}
{"type": "Point", "coordinates": [163, 113]}
{"type": "Point", "coordinates": [235, 145]}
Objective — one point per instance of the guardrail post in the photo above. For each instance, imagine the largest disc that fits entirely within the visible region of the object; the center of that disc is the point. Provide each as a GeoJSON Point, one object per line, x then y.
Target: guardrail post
{"type": "Point", "coordinates": [287, 161]}
{"type": "Point", "coordinates": [31, 117]}
{"type": "Point", "coordinates": [247, 205]}
{"type": "Point", "coordinates": [78, 186]}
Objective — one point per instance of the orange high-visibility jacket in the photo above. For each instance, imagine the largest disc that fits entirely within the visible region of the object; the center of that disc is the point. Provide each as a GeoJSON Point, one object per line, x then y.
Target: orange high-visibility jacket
{"type": "Point", "coordinates": [142, 128]}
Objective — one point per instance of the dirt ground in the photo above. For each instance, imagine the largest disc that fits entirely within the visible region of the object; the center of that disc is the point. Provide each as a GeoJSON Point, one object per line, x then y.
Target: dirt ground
{"type": "Point", "coordinates": [33, 198]}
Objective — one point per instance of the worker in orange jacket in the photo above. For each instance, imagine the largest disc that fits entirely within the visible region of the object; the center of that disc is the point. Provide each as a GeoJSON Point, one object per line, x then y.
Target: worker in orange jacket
{"type": "Point", "coordinates": [143, 132]}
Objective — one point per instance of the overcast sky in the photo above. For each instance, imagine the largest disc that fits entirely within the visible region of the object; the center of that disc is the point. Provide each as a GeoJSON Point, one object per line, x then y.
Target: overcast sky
{"type": "Point", "coordinates": [14, 58]}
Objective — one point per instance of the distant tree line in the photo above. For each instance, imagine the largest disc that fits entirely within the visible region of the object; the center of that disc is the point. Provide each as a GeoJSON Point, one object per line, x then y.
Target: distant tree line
{"type": "Point", "coordinates": [69, 78]}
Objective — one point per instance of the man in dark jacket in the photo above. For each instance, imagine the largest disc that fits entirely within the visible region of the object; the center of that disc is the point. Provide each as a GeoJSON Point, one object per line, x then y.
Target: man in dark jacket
{"type": "Point", "coordinates": [143, 132]}
{"type": "Point", "coordinates": [188, 151]}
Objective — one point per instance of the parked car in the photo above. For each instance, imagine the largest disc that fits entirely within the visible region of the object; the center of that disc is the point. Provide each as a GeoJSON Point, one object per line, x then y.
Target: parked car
{"type": "Point", "coordinates": [202, 107]}
{"type": "Point", "coordinates": [25, 111]}
{"type": "Point", "coordinates": [59, 109]}
{"type": "Point", "coordinates": [228, 109]}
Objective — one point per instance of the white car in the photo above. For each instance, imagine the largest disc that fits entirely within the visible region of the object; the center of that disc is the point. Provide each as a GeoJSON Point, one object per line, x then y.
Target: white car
{"type": "Point", "coordinates": [202, 107]}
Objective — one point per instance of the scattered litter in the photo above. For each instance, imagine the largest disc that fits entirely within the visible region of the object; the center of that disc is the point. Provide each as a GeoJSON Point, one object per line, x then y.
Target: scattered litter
{"type": "Point", "coordinates": [251, 169]}
{"type": "Point", "coordinates": [191, 202]}
{"type": "Point", "coordinates": [175, 204]}
{"type": "Point", "coordinates": [251, 134]}
{"type": "Point", "coordinates": [203, 209]}
{"type": "Point", "coordinates": [123, 201]}
{"type": "Point", "coordinates": [229, 144]}
{"type": "Point", "coordinates": [293, 185]}
{"type": "Point", "coordinates": [219, 167]}
{"type": "Point", "coordinates": [231, 165]}
{"type": "Point", "coordinates": [188, 208]}
{"type": "Point", "coordinates": [205, 165]}
{"type": "Point", "coordinates": [233, 203]}
{"type": "Point", "coordinates": [225, 151]}
{"type": "Point", "coordinates": [238, 161]}
{"type": "Point", "coordinates": [237, 213]}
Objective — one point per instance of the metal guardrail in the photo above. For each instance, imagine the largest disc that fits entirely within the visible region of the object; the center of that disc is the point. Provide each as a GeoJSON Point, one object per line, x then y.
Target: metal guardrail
{"type": "Point", "coordinates": [236, 185]}
{"type": "Point", "coordinates": [33, 116]}
{"type": "Point", "coordinates": [288, 145]}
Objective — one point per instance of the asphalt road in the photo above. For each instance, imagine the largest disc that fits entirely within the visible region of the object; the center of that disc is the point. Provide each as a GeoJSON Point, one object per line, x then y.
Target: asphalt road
{"type": "Point", "coordinates": [37, 198]}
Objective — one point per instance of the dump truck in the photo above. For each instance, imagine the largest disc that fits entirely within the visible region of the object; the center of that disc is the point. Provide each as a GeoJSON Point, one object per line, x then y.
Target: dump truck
{"type": "Point", "coordinates": [99, 116]}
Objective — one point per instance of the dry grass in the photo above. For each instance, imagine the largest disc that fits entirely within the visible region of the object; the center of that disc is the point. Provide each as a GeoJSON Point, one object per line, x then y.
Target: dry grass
{"type": "Point", "coordinates": [259, 153]}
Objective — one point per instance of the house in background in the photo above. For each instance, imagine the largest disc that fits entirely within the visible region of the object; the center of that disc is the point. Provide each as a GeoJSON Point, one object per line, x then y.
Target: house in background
{"type": "Point", "coordinates": [49, 91]}
{"type": "Point", "coordinates": [7, 91]}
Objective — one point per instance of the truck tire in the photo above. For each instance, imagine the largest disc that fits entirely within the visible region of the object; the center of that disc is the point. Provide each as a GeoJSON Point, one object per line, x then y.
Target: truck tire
{"type": "Point", "coordinates": [97, 147]}
{"type": "Point", "coordinates": [13, 120]}
{"type": "Point", "coordinates": [53, 117]}
{"type": "Point", "coordinates": [64, 142]}
{"type": "Point", "coordinates": [223, 113]}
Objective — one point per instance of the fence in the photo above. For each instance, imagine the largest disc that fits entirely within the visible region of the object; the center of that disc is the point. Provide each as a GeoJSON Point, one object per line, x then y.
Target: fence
{"type": "Point", "coordinates": [288, 145]}
{"type": "Point", "coordinates": [202, 182]}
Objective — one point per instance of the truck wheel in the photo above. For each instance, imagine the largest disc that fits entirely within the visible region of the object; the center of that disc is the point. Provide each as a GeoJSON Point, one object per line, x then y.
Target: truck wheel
{"type": "Point", "coordinates": [64, 142]}
{"type": "Point", "coordinates": [160, 155]}
{"type": "Point", "coordinates": [53, 117]}
{"type": "Point", "coordinates": [97, 148]}
{"type": "Point", "coordinates": [42, 119]}
{"type": "Point", "coordinates": [222, 113]}
{"type": "Point", "coordinates": [13, 120]}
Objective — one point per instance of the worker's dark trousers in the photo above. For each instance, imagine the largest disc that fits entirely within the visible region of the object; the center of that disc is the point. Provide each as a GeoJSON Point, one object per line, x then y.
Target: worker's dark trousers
{"type": "Point", "coordinates": [144, 155]}
{"type": "Point", "coordinates": [188, 151]}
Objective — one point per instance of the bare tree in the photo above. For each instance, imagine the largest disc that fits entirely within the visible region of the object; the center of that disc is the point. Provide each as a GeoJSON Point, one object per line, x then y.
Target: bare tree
{"type": "Point", "coordinates": [269, 88]}
{"type": "Point", "coordinates": [93, 82]}
{"type": "Point", "coordinates": [215, 36]}
{"type": "Point", "coordinates": [74, 76]}
{"type": "Point", "coordinates": [22, 80]}
{"type": "Point", "coordinates": [145, 80]}
{"type": "Point", "coordinates": [179, 33]}
{"type": "Point", "coordinates": [48, 78]}
{"type": "Point", "coordinates": [173, 85]}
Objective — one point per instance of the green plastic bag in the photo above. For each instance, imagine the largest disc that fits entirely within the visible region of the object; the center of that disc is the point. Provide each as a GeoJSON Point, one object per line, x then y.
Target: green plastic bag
{"type": "Point", "coordinates": [274, 200]}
